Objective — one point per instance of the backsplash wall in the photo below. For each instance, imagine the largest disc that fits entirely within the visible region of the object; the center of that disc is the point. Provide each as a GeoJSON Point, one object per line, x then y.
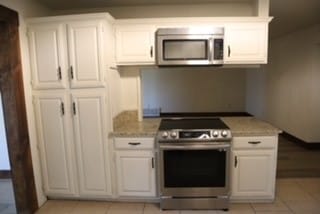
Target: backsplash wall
{"type": "Point", "coordinates": [203, 89]}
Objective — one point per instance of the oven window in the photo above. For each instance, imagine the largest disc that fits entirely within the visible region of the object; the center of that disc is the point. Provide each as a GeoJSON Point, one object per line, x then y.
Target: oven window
{"type": "Point", "coordinates": [194, 168]}
{"type": "Point", "coordinates": [185, 49]}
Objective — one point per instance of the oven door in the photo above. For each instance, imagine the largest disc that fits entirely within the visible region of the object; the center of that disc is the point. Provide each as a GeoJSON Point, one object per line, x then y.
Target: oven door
{"type": "Point", "coordinates": [194, 169]}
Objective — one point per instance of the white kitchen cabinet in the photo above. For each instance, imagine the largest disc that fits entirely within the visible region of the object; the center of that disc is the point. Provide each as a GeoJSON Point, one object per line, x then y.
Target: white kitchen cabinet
{"type": "Point", "coordinates": [135, 167]}
{"type": "Point", "coordinates": [72, 131]}
{"type": "Point", "coordinates": [253, 168]}
{"type": "Point", "coordinates": [68, 50]}
{"type": "Point", "coordinates": [135, 44]}
{"type": "Point", "coordinates": [86, 53]}
{"type": "Point", "coordinates": [91, 134]}
{"type": "Point", "coordinates": [48, 59]}
{"type": "Point", "coordinates": [55, 143]}
{"type": "Point", "coordinates": [246, 43]}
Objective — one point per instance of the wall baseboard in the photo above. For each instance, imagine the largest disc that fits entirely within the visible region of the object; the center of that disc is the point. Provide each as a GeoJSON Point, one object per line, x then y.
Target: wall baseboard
{"type": "Point", "coordinates": [302, 143]}
{"type": "Point", "coordinates": [5, 174]}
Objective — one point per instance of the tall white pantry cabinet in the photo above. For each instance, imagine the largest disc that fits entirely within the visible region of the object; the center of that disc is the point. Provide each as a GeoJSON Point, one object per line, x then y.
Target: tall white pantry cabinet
{"type": "Point", "coordinates": [69, 67]}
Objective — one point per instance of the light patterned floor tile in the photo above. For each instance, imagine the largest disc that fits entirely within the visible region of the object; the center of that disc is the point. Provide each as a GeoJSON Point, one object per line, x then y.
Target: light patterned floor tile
{"type": "Point", "coordinates": [57, 207]}
{"type": "Point", "coordinates": [198, 212]}
{"type": "Point", "coordinates": [151, 208]}
{"type": "Point", "coordinates": [92, 207]}
{"type": "Point", "coordinates": [310, 185]}
{"type": "Point", "coordinates": [277, 205]}
{"type": "Point", "coordinates": [134, 208]}
{"type": "Point", "coordinates": [238, 209]}
{"type": "Point", "coordinates": [289, 190]}
{"type": "Point", "coordinates": [308, 207]}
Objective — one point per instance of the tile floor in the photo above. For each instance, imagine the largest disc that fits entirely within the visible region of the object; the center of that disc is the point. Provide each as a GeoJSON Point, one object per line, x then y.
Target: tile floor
{"type": "Point", "coordinates": [7, 203]}
{"type": "Point", "coordinates": [293, 195]}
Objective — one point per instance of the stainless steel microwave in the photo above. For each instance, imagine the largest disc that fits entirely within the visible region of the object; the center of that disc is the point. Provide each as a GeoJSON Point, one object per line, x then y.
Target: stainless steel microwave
{"type": "Point", "coordinates": [189, 46]}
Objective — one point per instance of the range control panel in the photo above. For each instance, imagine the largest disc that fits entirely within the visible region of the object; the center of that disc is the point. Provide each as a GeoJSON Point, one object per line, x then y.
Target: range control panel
{"type": "Point", "coordinates": [185, 135]}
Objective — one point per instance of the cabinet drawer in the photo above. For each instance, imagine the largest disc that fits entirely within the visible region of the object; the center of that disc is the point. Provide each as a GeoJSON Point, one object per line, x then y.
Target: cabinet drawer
{"type": "Point", "coordinates": [134, 143]}
{"type": "Point", "coordinates": [254, 142]}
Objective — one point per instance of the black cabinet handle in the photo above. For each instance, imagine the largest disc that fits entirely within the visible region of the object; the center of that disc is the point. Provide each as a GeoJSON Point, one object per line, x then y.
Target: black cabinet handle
{"type": "Point", "coordinates": [152, 162]}
{"type": "Point", "coordinates": [254, 142]}
{"type": "Point", "coordinates": [71, 72]}
{"type": "Point", "coordinates": [134, 143]}
{"type": "Point", "coordinates": [151, 51]}
{"type": "Point", "coordinates": [59, 73]}
{"type": "Point", "coordinates": [229, 50]}
{"type": "Point", "coordinates": [235, 161]}
{"type": "Point", "coordinates": [74, 108]}
{"type": "Point", "coordinates": [62, 108]}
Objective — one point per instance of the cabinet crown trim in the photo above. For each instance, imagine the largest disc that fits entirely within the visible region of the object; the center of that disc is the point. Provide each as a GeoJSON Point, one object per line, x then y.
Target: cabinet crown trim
{"type": "Point", "coordinates": [67, 18]}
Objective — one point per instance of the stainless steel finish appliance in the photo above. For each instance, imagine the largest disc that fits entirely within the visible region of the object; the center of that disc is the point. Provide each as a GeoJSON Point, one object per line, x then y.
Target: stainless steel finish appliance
{"type": "Point", "coordinates": [194, 163]}
{"type": "Point", "coordinates": [189, 46]}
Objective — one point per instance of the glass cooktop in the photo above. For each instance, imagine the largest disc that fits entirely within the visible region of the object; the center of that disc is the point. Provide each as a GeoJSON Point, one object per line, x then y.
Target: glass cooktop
{"type": "Point", "coordinates": [192, 124]}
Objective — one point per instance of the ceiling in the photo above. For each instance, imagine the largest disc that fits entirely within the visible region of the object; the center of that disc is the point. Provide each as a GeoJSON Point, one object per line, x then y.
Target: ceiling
{"type": "Point", "coordinates": [290, 15]}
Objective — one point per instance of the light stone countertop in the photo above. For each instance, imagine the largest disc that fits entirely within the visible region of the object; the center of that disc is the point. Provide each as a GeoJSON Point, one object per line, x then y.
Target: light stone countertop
{"type": "Point", "coordinates": [145, 128]}
{"type": "Point", "coordinates": [240, 126]}
{"type": "Point", "coordinates": [250, 126]}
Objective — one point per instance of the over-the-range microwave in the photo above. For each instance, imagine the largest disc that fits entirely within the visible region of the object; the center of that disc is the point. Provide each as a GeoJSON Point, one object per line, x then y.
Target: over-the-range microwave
{"type": "Point", "coordinates": [189, 46]}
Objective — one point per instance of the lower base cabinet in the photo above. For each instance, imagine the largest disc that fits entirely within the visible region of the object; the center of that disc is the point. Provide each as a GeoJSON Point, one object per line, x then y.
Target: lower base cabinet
{"type": "Point", "coordinates": [72, 135]}
{"type": "Point", "coordinates": [135, 167]}
{"type": "Point", "coordinates": [253, 168]}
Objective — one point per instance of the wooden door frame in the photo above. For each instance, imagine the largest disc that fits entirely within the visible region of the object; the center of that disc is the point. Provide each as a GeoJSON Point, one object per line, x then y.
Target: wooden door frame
{"type": "Point", "coordinates": [11, 87]}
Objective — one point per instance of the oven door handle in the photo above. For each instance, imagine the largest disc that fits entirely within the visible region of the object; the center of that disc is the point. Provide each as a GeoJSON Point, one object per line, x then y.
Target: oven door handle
{"type": "Point", "coordinates": [194, 147]}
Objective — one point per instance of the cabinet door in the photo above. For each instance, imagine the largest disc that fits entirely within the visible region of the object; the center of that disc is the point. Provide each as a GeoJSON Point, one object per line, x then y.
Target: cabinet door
{"type": "Point", "coordinates": [135, 44]}
{"type": "Point", "coordinates": [135, 173]}
{"type": "Point", "coordinates": [47, 56]}
{"type": "Point", "coordinates": [246, 43]}
{"type": "Point", "coordinates": [253, 174]}
{"type": "Point", "coordinates": [91, 143]}
{"type": "Point", "coordinates": [57, 159]}
{"type": "Point", "coordinates": [86, 53]}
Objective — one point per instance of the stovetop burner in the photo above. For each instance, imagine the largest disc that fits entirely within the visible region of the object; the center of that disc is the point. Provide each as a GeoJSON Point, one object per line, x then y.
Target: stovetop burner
{"type": "Point", "coordinates": [188, 129]}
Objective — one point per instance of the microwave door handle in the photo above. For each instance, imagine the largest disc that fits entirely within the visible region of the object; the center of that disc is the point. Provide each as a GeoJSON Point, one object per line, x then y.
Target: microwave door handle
{"type": "Point", "coordinates": [211, 44]}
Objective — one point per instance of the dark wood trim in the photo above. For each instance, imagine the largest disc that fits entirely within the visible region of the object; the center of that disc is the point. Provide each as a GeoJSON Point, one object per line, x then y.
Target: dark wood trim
{"type": "Point", "coordinates": [204, 114]}
{"type": "Point", "coordinates": [302, 143]}
{"type": "Point", "coordinates": [11, 87]}
{"type": "Point", "coordinates": [5, 174]}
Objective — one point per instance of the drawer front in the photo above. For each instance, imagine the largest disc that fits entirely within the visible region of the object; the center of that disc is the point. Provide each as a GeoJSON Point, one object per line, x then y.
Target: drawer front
{"type": "Point", "coordinates": [260, 142]}
{"type": "Point", "coordinates": [134, 143]}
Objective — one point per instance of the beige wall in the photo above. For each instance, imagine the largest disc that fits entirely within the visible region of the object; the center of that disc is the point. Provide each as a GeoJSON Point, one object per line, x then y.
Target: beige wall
{"type": "Point", "coordinates": [286, 91]}
{"type": "Point", "coordinates": [188, 10]}
{"type": "Point", "coordinates": [29, 8]}
{"type": "Point", "coordinates": [205, 89]}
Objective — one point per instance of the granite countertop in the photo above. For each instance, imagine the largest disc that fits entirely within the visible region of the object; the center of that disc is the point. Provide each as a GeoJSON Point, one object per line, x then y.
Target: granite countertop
{"type": "Point", "coordinates": [129, 126]}
{"type": "Point", "coordinates": [249, 126]}
{"type": "Point", "coordinates": [145, 128]}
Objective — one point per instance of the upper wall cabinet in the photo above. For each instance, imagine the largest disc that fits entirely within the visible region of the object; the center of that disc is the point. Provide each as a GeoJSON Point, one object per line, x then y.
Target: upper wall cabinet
{"type": "Point", "coordinates": [245, 38]}
{"type": "Point", "coordinates": [67, 51]}
{"type": "Point", "coordinates": [246, 43]}
{"type": "Point", "coordinates": [135, 44]}
{"type": "Point", "coordinates": [47, 44]}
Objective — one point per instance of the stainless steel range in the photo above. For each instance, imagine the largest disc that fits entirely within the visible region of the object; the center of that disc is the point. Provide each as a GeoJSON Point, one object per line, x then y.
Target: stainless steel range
{"type": "Point", "coordinates": [193, 163]}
